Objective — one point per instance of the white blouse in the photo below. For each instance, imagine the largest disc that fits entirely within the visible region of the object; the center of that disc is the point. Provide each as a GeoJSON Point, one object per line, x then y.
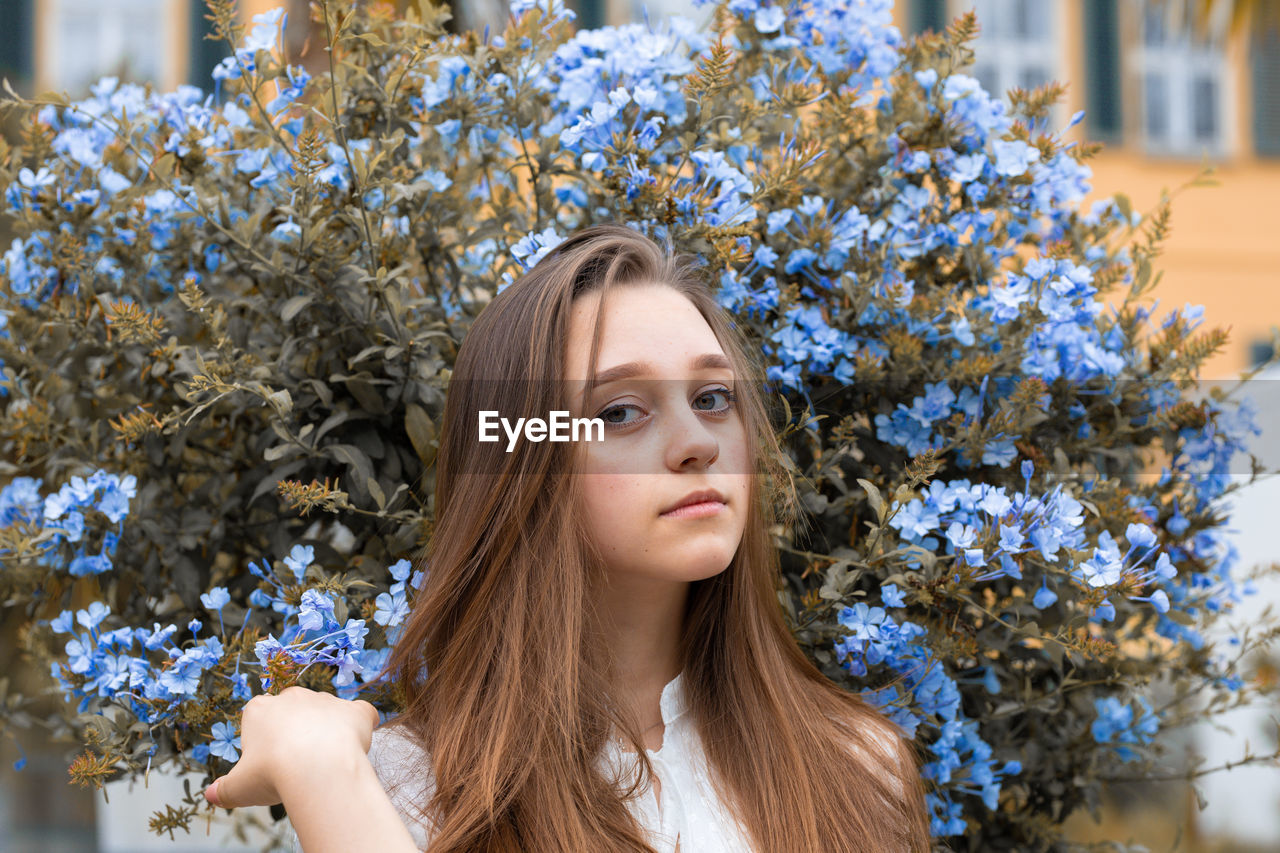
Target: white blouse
{"type": "Point", "coordinates": [690, 814]}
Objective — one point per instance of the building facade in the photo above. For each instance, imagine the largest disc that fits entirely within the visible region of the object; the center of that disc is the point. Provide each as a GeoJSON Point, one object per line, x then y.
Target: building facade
{"type": "Point", "coordinates": [1166, 99]}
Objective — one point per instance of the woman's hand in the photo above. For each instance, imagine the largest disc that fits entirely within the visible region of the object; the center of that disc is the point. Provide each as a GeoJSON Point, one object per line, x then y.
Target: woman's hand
{"type": "Point", "coordinates": [286, 737]}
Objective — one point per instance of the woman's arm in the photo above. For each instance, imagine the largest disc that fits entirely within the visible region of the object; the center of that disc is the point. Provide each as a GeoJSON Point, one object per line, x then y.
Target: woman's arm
{"type": "Point", "coordinates": [342, 808]}
{"type": "Point", "coordinates": [309, 750]}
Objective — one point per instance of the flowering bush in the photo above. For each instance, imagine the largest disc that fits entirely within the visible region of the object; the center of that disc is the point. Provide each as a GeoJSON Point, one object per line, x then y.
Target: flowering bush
{"type": "Point", "coordinates": [220, 306]}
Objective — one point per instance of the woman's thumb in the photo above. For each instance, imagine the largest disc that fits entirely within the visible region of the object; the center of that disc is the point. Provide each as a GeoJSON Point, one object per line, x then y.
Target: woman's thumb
{"type": "Point", "coordinates": [212, 793]}
{"type": "Point", "coordinates": [233, 791]}
{"type": "Point", "coordinates": [240, 787]}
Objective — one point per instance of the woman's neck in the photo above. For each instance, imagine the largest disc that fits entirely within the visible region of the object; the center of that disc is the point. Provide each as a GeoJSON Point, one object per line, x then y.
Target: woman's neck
{"type": "Point", "coordinates": [644, 618]}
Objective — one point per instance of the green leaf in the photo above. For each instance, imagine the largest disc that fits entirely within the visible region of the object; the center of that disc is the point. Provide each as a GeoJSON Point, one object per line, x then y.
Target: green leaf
{"type": "Point", "coordinates": [364, 387]}
{"type": "Point", "coordinates": [1125, 206]}
{"type": "Point", "coordinates": [371, 38]}
{"type": "Point", "coordinates": [295, 304]}
{"type": "Point", "coordinates": [361, 470]}
{"type": "Point", "coordinates": [282, 402]}
{"type": "Point", "coordinates": [876, 499]}
{"type": "Point", "coordinates": [279, 451]}
{"type": "Point", "coordinates": [330, 422]}
{"type": "Point", "coordinates": [376, 491]}
{"type": "Point", "coordinates": [422, 432]}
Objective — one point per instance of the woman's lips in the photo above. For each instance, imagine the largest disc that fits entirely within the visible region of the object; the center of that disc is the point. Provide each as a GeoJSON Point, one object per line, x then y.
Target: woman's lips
{"type": "Point", "coordinates": [705, 509]}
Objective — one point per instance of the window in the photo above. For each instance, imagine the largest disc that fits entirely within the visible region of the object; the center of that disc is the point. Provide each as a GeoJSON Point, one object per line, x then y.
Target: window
{"type": "Point", "coordinates": [928, 15]}
{"type": "Point", "coordinates": [83, 40]}
{"type": "Point", "coordinates": [1017, 44]}
{"type": "Point", "coordinates": [1260, 352]}
{"type": "Point", "coordinates": [15, 42]}
{"type": "Point", "coordinates": [1182, 73]}
{"type": "Point", "coordinates": [1265, 62]}
{"type": "Point", "coordinates": [1103, 111]}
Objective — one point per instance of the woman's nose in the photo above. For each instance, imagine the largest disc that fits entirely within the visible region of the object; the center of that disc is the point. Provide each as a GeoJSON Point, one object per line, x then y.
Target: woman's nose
{"type": "Point", "coordinates": [691, 442]}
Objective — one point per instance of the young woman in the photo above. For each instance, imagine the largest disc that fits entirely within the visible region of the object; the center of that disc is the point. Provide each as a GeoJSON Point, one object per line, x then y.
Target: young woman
{"type": "Point", "coordinates": [597, 660]}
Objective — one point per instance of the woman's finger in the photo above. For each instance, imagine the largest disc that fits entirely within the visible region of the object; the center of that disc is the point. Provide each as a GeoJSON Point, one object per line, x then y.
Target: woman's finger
{"type": "Point", "coordinates": [235, 790]}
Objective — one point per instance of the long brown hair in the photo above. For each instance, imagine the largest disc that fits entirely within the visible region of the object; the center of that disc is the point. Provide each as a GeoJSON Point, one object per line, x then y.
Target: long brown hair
{"type": "Point", "coordinates": [514, 707]}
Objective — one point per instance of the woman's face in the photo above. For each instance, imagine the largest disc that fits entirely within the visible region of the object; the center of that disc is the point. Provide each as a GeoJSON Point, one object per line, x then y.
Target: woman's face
{"type": "Point", "coordinates": [670, 430]}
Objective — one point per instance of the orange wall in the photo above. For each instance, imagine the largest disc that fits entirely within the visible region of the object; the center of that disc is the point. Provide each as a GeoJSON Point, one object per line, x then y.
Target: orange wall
{"type": "Point", "coordinates": [1223, 251]}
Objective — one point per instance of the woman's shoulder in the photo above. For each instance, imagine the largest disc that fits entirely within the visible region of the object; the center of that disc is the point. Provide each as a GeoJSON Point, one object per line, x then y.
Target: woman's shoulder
{"type": "Point", "coordinates": [403, 766]}
{"type": "Point", "coordinates": [404, 769]}
{"type": "Point", "coordinates": [393, 751]}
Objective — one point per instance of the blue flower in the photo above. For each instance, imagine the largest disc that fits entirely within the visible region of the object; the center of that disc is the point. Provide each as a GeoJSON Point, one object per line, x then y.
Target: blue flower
{"type": "Point", "coordinates": [1044, 597]}
{"type": "Point", "coordinates": [266, 30]}
{"type": "Point", "coordinates": [315, 610]}
{"type": "Point", "coordinates": [240, 687]}
{"type": "Point", "coordinates": [225, 743]}
{"type": "Point", "coordinates": [216, 598]}
{"type": "Point", "coordinates": [864, 622]}
{"type": "Point", "coordinates": [80, 653]}
{"type": "Point", "coordinates": [959, 86]}
{"type": "Point", "coordinates": [1106, 565]}
{"type": "Point", "coordinates": [765, 256]}
{"type": "Point", "coordinates": [183, 677]}
{"type": "Point", "coordinates": [299, 559]}
{"type": "Point", "coordinates": [968, 167]}
{"type": "Point", "coordinates": [1140, 535]}
{"type": "Point", "coordinates": [159, 636]}
{"type": "Point", "coordinates": [531, 248]}
{"type": "Point", "coordinates": [778, 219]}
{"type": "Point", "coordinates": [287, 231]}
{"type": "Point", "coordinates": [892, 596]}
{"type": "Point", "coordinates": [391, 609]}
{"type": "Point", "coordinates": [93, 616]}
{"type": "Point", "coordinates": [769, 19]}
{"type": "Point", "coordinates": [399, 570]}
{"type": "Point", "coordinates": [1013, 158]}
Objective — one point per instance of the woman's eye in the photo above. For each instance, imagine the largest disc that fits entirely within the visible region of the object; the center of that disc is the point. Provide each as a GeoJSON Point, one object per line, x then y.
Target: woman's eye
{"type": "Point", "coordinates": [729, 397]}
{"type": "Point", "coordinates": [607, 415]}
{"type": "Point", "coordinates": [614, 417]}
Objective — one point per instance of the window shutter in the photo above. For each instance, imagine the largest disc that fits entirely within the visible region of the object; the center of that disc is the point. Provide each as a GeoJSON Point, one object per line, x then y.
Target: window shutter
{"type": "Point", "coordinates": [1102, 70]}
{"type": "Point", "coordinates": [205, 53]}
{"type": "Point", "coordinates": [928, 15]}
{"type": "Point", "coordinates": [16, 42]}
{"type": "Point", "coordinates": [590, 14]}
{"type": "Point", "coordinates": [1266, 92]}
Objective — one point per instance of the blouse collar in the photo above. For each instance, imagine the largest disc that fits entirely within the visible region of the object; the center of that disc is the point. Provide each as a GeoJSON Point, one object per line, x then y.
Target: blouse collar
{"type": "Point", "coordinates": [674, 701]}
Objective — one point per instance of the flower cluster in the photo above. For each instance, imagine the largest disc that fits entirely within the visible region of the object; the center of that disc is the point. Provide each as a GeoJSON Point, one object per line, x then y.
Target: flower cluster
{"type": "Point", "coordinates": [1116, 725]}
{"type": "Point", "coordinates": [269, 281]}
{"type": "Point", "coordinates": [157, 672]}
{"type": "Point", "coordinates": [962, 761]}
{"type": "Point", "coordinates": [66, 516]}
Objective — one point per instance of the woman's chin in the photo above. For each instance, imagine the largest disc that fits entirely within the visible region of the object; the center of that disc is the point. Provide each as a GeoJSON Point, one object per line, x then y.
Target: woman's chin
{"type": "Point", "coordinates": [697, 563]}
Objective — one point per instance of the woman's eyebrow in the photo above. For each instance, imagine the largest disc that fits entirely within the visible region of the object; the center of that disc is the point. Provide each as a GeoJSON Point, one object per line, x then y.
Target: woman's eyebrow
{"type": "Point", "coordinates": [706, 361]}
